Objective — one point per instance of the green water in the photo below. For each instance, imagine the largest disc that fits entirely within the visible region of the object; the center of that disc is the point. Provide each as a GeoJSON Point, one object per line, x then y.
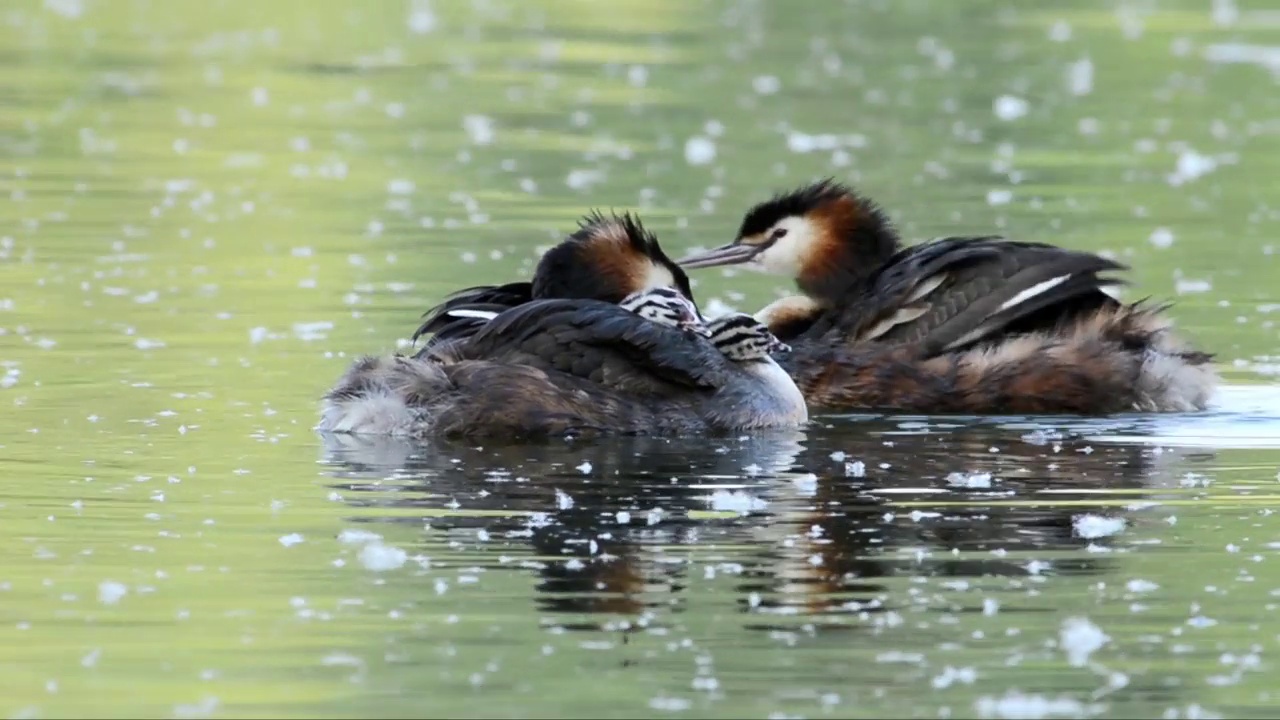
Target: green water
{"type": "Point", "coordinates": [210, 207]}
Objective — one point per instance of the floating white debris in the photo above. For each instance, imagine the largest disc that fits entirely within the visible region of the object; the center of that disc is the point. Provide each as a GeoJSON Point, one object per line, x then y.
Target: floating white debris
{"type": "Point", "coordinates": [1010, 107]}
{"type": "Point", "coordinates": [1080, 77]}
{"type": "Point", "coordinates": [970, 480]}
{"type": "Point", "coordinates": [951, 675]}
{"type": "Point", "coordinates": [291, 539]}
{"type": "Point", "coordinates": [400, 186]}
{"type": "Point", "coordinates": [110, 592]}
{"type": "Point", "coordinates": [806, 485]}
{"type": "Point", "coordinates": [1161, 237]}
{"type": "Point", "coordinates": [766, 84]}
{"type": "Point", "coordinates": [579, 179]}
{"type": "Point", "coordinates": [999, 196]}
{"type": "Point", "coordinates": [378, 557]}
{"type": "Point", "coordinates": [1185, 286]}
{"type": "Point", "coordinates": [1140, 586]}
{"type": "Point", "coordinates": [1191, 166]}
{"type": "Point", "coordinates": [855, 469]}
{"type": "Point", "coordinates": [1014, 704]}
{"type": "Point", "coordinates": [1267, 56]}
{"type": "Point", "coordinates": [563, 501]}
{"type": "Point", "coordinates": [479, 129]}
{"type": "Point", "coordinates": [802, 142]}
{"type": "Point", "coordinates": [1079, 638]}
{"type": "Point", "coordinates": [422, 19]}
{"type": "Point", "coordinates": [352, 536]}
{"type": "Point", "coordinates": [584, 468]}
{"type": "Point", "coordinates": [670, 704]}
{"type": "Point", "coordinates": [69, 9]}
{"type": "Point", "coordinates": [1090, 526]}
{"type": "Point", "coordinates": [310, 331]}
{"type": "Point", "coordinates": [638, 76]}
{"type": "Point", "coordinates": [737, 501]}
{"type": "Point", "coordinates": [699, 150]}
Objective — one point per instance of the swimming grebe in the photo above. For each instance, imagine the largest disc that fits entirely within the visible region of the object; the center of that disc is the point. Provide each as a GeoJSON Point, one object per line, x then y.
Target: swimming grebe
{"type": "Point", "coordinates": [1026, 327]}
{"type": "Point", "coordinates": [572, 366]}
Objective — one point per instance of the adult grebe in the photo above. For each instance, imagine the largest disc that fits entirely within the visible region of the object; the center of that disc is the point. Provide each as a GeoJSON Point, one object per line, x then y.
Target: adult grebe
{"type": "Point", "coordinates": [1023, 327]}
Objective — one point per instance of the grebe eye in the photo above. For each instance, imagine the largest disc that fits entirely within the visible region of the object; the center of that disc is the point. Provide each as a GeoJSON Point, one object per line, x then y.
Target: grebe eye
{"type": "Point", "coordinates": [778, 234]}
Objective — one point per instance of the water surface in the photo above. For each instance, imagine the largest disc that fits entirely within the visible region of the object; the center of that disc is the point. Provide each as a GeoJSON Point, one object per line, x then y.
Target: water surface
{"type": "Point", "coordinates": [212, 207]}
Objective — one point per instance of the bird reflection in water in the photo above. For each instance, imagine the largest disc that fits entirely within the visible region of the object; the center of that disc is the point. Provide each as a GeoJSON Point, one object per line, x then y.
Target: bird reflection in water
{"type": "Point", "coordinates": [820, 529]}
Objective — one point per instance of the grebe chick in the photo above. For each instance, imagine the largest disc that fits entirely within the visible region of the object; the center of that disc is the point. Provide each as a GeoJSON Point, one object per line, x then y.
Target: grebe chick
{"type": "Point", "coordinates": [963, 299]}
{"type": "Point", "coordinates": [749, 343]}
{"type": "Point", "coordinates": [666, 306]}
{"type": "Point", "coordinates": [742, 338]}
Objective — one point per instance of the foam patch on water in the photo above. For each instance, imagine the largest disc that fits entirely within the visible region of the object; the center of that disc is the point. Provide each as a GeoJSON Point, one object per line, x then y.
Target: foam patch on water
{"type": "Point", "coordinates": [1079, 638]}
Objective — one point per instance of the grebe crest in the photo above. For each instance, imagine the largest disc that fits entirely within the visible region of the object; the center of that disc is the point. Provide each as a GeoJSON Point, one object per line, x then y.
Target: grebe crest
{"type": "Point", "coordinates": [742, 338]}
{"type": "Point", "coordinates": [666, 306]}
{"type": "Point", "coordinates": [607, 258]}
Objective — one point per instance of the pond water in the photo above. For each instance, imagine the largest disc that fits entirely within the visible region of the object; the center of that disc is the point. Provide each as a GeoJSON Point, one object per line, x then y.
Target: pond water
{"type": "Point", "coordinates": [211, 207]}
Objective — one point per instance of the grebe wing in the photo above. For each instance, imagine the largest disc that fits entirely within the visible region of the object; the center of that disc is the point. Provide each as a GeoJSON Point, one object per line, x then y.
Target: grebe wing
{"type": "Point", "coordinates": [953, 292]}
{"type": "Point", "coordinates": [505, 296]}
{"type": "Point", "coordinates": [601, 342]}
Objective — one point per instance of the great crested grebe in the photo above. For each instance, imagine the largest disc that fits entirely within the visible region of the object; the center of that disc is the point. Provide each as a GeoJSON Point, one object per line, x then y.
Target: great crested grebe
{"type": "Point", "coordinates": [573, 366]}
{"type": "Point", "coordinates": [1021, 327]}
{"type": "Point", "coordinates": [608, 257]}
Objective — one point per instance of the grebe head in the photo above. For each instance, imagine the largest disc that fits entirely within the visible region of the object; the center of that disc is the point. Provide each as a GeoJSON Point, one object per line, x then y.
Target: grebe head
{"type": "Point", "coordinates": [824, 235]}
{"type": "Point", "coordinates": [666, 306]}
{"type": "Point", "coordinates": [608, 258]}
{"type": "Point", "coordinates": [742, 338]}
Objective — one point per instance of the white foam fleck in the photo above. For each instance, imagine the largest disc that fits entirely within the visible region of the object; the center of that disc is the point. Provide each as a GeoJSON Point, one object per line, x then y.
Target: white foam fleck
{"type": "Point", "coordinates": [422, 19]}
{"type": "Point", "coordinates": [1185, 286]}
{"type": "Point", "coordinates": [1140, 586]}
{"type": "Point", "coordinates": [737, 501]}
{"type": "Point", "coordinates": [110, 591]}
{"type": "Point", "coordinates": [1080, 77]}
{"type": "Point", "coordinates": [766, 84]}
{"type": "Point", "coordinates": [309, 331]}
{"type": "Point", "coordinates": [1079, 638]}
{"type": "Point", "coordinates": [970, 480]}
{"type": "Point", "coordinates": [1015, 704]}
{"type": "Point", "coordinates": [352, 536]}
{"type": "Point", "coordinates": [479, 129]}
{"type": "Point", "coordinates": [699, 150]}
{"type": "Point", "coordinates": [999, 196]}
{"type": "Point", "coordinates": [1090, 526]}
{"type": "Point", "coordinates": [378, 557]}
{"type": "Point", "coordinates": [1010, 107]}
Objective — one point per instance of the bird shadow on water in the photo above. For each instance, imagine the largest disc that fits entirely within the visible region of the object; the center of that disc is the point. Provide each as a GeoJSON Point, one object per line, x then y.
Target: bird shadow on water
{"type": "Point", "coordinates": [812, 527]}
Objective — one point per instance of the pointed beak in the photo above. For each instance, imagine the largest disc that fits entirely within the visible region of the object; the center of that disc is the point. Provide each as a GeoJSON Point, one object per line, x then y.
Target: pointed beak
{"type": "Point", "coordinates": [777, 346]}
{"type": "Point", "coordinates": [734, 253]}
